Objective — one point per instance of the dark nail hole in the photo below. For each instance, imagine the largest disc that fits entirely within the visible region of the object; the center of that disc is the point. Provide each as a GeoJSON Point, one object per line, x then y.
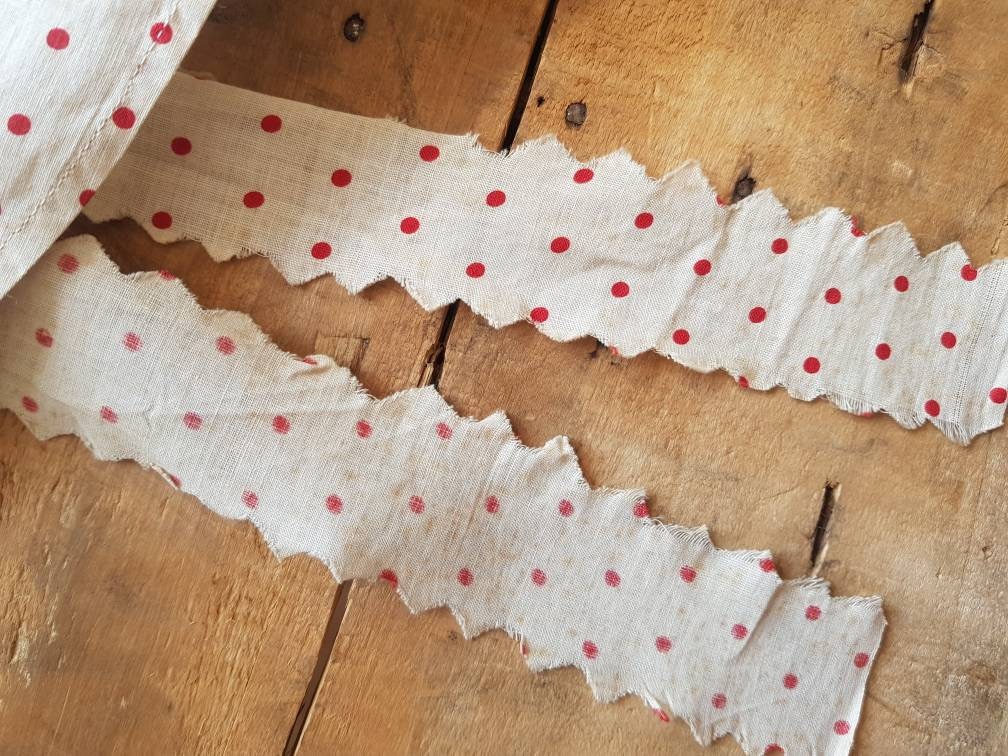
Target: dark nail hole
{"type": "Point", "coordinates": [539, 101]}
{"type": "Point", "coordinates": [353, 27]}
{"type": "Point", "coordinates": [576, 115]}
{"type": "Point", "coordinates": [744, 186]}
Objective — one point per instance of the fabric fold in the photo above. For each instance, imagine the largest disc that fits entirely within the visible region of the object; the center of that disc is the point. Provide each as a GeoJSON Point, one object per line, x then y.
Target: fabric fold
{"type": "Point", "coordinates": [78, 80]}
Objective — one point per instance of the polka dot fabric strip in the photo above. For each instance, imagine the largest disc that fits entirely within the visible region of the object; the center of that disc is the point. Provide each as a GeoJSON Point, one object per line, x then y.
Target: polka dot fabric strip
{"type": "Point", "coordinates": [582, 576]}
{"type": "Point", "coordinates": [78, 77]}
{"type": "Point", "coordinates": [816, 306]}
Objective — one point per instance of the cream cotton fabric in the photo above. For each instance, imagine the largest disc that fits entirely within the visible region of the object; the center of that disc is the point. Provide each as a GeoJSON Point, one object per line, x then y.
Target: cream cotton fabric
{"type": "Point", "coordinates": [600, 249]}
{"type": "Point", "coordinates": [454, 512]}
{"type": "Point", "coordinates": [76, 80]}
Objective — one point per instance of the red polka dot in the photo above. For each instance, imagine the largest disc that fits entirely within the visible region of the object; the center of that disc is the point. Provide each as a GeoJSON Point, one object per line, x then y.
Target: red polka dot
{"type": "Point", "coordinates": [416, 505]}
{"type": "Point", "coordinates": [779, 246]}
{"type": "Point", "coordinates": [583, 175]}
{"type": "Point", "coordinates": [250, 499]}
{"type": "Point", "coordinates": [68, 263]}
{"type": "Point", "coordinates": [998, 395]}
{"type": "Point", "coordinates": [19, 124]}
{"type": "Point", "coordinates": [790, 681]}
{"type": "Point", "coordinates": [590, 649]}
{"type": "Point", "coordinates": [161, 220]}
{"type": "Point", "coordinates": [719, 700]}
{"type": "Point", "coordinates": [109, 415]}
{"type": "Point", "coordinates": [538, 576]}
{"type": "Point", "coordinates": [968, 272]}
{"type": "Point", "coordinates": [883, 351]}
{"type": "Point", "coordinates": [767, 565]}
{"type": "Point", "coordinates": [719, 200]}
{"type": "Point", "coordinates": [124, 118]}
{"type": "Point", "coordinates": [948, 339]}
{"type": "Point", "coordinates": [363, 428]}
{"type": "Point", "coordinates": [225, 345]}
{"type": "Point", "coordinates": [841, 727]}
{"type": "Point", "coordinates": [861, 660]}
{"type": "Point", "coordinates": [389, 577]}
{"type": "Point", "coordinates": [855, 228]}
{"type": "Point", "coordinates": [167, 275]}
{"type": "Point", "coordinates": [192, 421]}
{"type": "Point", "coordinates": [271, 123]}
{"type": "Point", "coordinates": [496, 198]}
{"type": "Point", "coordinates": [743, 382]}
{"type": "Point", "coordinates": [444, 431]}
{"type": "Point", "coordinates": [901, 283]}
{"type": "Point", "coordinates": [29, 404]}
{"type": "Point", "coordinates": [85, 196]}
{"type": "Point", "coordinates": [523, 647]}
{"type": "Point", "coordinates": [681, 336]}
{"type": "Point", "coordinates": [757, 315]}
{"type": "Point", "coordinates": [465, 577]}
{"type": "Point", "coordinates": [643, 220]}
{"type": "Point", "coordinates": [253, 200]}
{"type": "Point", "coordinates": [43, 337]}
{"type": "Point", "coordinates": [539, 314]}
{"type": "Point", "coordinates": [161, 33]}
{"type": "Point", "coordinates": [612, 578]}
{"type": "Point", "coordinates": [409, 225]}
{"type": "Point", "coordinates": [492, 504]}
{"type": "Point", "coordinates": [640, 509]}
{"type": "Point", "coordinates": [812, 613]}
{"type": "Point", "coordinates": [181, 146]}
{"type": "Point", "coordinates": [321, 250]}
{"type": "Point", "coordinates": [309, 361]}
{"type": "Point", "coordinates": [341, 177]}
{"type": "Point", "coordinates": [739, 632]}
{"type": "Point", "coordinates": [663, 644]}
{"type": "Point", "coordinates": [620, 289]}
{"type": "Point", "coordinates": [132, 342]}
{"type": "Point", "coordinates": [773, 748]}
{"type": "Point", "coordinates": [475, 270]}
{"type": "Point", "coordinates": [702, 267]}
{"type": "Point", "coordinates": [175, 480]}
{"type": "Point", "coordinates": [560, 245]}
{"type": "Point", "coordinates": [832, 295]}
{"type": "Point", "coordinates": [661, 715]}
{"type": "Point", "coordinates": [58, 39]}
{"type": "Point", "coordinates": [687, 573]}
{"type": "Point", "coordinates": [334, 503]}
{"type": "Point", "coordinates": [429, 153]}
{"type": "Point", "coordinates": [281, 424]}
{"type": "Point", "coordinates": [566, 508]}
{"type": "Point", "coordinates": [932, 408]}
{"type": "Point", "coordinates": [811, 365]}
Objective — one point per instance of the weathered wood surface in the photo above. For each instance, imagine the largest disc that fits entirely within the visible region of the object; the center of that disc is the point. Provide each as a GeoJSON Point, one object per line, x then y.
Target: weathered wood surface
{"type": "Point", "coordinates": [134, 619]}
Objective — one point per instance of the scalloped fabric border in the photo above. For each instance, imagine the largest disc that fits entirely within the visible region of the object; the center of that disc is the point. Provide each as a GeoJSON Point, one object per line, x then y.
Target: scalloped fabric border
{"type": "Point", "coordinates": [816, 306]}
{"type": "Point", "coordinates": [78, 77]}
{"type": "Point", "coordinates": [454, 512]}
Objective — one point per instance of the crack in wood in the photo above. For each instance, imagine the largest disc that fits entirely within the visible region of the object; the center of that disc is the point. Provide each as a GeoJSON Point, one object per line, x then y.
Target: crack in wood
{"type": "Point", "coordinates": [915, 42]}
{"type": "Point", "coordinates": [820, 536]}
{"type": "Point", "coordinates": [332, 629]}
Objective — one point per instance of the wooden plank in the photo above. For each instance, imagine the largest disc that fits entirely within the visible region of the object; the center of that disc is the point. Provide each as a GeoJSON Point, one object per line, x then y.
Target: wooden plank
{"type": "Point", "coordinates": [132, 618]}
{"type": "Point", "coordinates": [808, 99]}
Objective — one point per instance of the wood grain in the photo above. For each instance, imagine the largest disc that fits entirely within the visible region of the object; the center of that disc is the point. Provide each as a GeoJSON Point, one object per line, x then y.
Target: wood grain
{"type": "Point", "coordinates": [810, 99]}
{"type": "Point", "coordinates": [132, 619]}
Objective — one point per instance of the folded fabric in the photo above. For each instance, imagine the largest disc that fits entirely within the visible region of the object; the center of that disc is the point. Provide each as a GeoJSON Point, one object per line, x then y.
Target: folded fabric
{"type": "Point", "coordinates": [816, 306]}
{"type": "Point", "coordinates": [78, 79]}
{"type": "Point", "coordinates": [452, 511]}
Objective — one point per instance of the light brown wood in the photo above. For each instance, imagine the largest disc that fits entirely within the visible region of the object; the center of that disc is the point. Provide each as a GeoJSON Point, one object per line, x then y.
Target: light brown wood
{"type": "Point", "coordinates": [132, 619]}
{"type": "Point", "coordinates": [807, 98]}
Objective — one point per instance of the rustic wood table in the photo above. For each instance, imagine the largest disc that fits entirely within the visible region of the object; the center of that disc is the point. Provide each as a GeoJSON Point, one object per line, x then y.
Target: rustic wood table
{"type": "Point", "coordinates": [134, 620]}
